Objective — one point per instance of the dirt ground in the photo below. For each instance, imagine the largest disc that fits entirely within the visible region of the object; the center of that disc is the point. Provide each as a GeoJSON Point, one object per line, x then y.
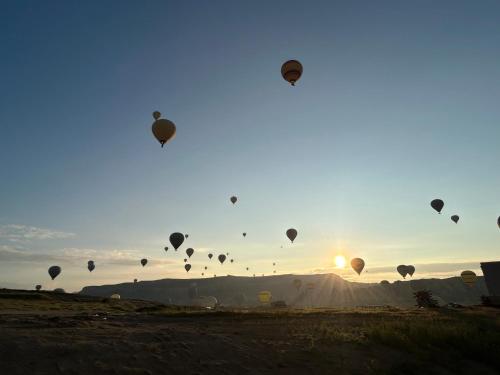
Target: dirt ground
{"type": "Point", "coordinates": [65, 335]}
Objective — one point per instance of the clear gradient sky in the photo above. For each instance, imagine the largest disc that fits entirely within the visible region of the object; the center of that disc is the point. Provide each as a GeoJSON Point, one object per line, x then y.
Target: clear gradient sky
{"type": "Point", "coordinates": [398, 104]}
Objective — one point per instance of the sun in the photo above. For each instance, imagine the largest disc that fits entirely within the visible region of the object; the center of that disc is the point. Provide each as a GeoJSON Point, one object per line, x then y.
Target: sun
{"type": "Point", "coordinates": [340, 261]}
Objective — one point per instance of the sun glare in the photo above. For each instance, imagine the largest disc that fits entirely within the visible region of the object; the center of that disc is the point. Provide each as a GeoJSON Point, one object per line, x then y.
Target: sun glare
{"type": "Point", "coordinates": [340, 261]}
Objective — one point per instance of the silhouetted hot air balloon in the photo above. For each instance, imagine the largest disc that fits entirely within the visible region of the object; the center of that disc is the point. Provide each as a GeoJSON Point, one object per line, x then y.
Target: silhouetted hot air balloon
{"type": "Point", "coordinates": [291, 234]}
{"type": "Point", "coordinates": [468, 277]}
{"type": "Point", "coordinates": [203, 274]}
{"type": "Point", "coordinates": [384, 282]}
{"type": "Point", "coordinates": [233, 199]}
{"type": "Point", "coordinates": [91, 266]}
{"type": "Point", "coordinates": [38, 287]}
{"type": "Point", "coordinates": [291, 71]}
{"type": "Point", "coordinates": [144, 261]}
{"type": "Point", "coordinates": [437, 204]}
{"type": "Point", "coordinates": [247, 268]}
{"type": "Point", "coordinates": [222, 258]}
{"type": "Point", "coordinates": [411, 270]}
{"type": "Point", "coordinates": [498, 221]}
{"type": "Point", "coordinates": [274, 271]}
{"type": "Point", "coordinates": [187, 267]}
{"type": "Point", "coordinates": [176, 239]}
{"type": "Point", "coordinates": [165, 248]}
{"type": "Point", "coordinates": [244, 234]}
{"type": "Point", "coordinates": [135, 280]}
{"type": "Point", "coordinates": [189, 252]}
{"type": "Point", "coordinates": [227, 254]}
{"type": "Point", "coordinates": [210, 255]}
{"type": "Point", "coordinates": [402, 270]}
{"type": "Point", "coordinates": [357, 265]}
{"type": "Point", "coordinates": [232, 260]}
{"type": "Point", "coordinates": [297, 283]}
{"type": "Point", "coordinates": [186, 235]}
{"type": "Point", "coordinates": [115, 296]}
{"type": "Point", "coordinates": [185, 260]}
{"type": "Point", "coordinates": [54, 271]}
{"type": "Point", "coordinates": [274, 264]}
{"type": "Point", "coordinates": [206, 267]}
{"type": "Point", "coordinates": [455, 218]}
{"type": "Point", "coordinates": [163, 129]}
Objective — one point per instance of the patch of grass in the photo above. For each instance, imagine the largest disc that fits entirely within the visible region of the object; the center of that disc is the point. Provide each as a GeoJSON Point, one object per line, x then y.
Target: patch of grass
{"type": "Point", "coordinates": [442, 338]}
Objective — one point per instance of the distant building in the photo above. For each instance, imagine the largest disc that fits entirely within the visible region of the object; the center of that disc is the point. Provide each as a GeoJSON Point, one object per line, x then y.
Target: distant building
{"type": "Point", "coordinates": [491, 272]}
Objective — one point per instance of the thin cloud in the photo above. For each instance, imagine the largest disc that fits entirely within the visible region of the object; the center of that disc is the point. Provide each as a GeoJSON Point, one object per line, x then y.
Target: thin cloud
{"type": "Point", "coordinates": [19, 233]}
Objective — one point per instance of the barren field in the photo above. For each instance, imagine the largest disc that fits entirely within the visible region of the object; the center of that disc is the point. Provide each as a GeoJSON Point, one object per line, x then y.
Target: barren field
{"type": "Point", "coordinates": [42, 333]}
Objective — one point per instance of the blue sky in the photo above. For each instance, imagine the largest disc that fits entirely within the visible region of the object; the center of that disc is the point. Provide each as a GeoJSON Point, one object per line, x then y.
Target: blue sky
{"type": "Point", "coordinates": [398, 104]}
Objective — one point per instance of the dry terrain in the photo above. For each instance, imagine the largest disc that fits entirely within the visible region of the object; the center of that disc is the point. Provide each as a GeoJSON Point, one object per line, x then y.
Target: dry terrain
{"type": "Point", "coordinates": [48, 333]}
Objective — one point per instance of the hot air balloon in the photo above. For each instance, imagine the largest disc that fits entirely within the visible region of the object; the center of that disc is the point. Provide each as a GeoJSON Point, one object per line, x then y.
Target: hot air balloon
{"type": "Point", "coordinates": [186, 235]}
{"type": "Point", "coordinates": [411, 270]}
{"type": "Point", "coordinates": [244, 234]}
{"type": "Point", "coordinates": [247, 268]}
{"type": "Point", "coordinates": [468, 277]}
{"type": "Point", "coordinates": [227, 254]}
{"type": "Point", "coordinates": [54, 271]}
{"type": "Point", "coordinates": [144, 261]}
{"type": "Point", "coordinates": [297, 283]}
{"type": "Point", "coordinates": [59, 290]}
{"type": "Point", "coordinates": [185, 260]}
{"type": "Point", "coordinates": [233, 199]}
{"type": "Point", "coordinates": [291, 234]}
{"type": "Point", "coordinates": [115, 296]}
{"type": "Point", "coordinates": [176, 239]}
{"type": "Point", "coordinates": [163, 129]}
{"type": "Point", "coordinates": [402, 270]}
{"type": "Point", "coordinates": [274, 271]}
{"type": "Point", "coordinates": [357, 265]}
{"type": "Point", "coordinates": [232, 260]}
{"type": "Point", "coordinates": [384, 282]}
{"type": "Point", "coordinates": [38, 287]}
{"type": "Point", "coordinates": [455, 218]}
{"type": "Point", "coordinates": [437, 204]}
{"type": "Point", "coordinates": [189, 252]}
{"type": "Point", "coordinates": [210, 255]}
{"type": "Point", "coordinates": [274, 264]}
{"type": "Point", "coordinates": [135, 280]}
{"type": "Point", "coordinates": [187, 267]}
{"type": "Point", "coordinates": [264, 296]}
{"type": "Point", "coordinates": [206, 267]}
{"type": "Point", "coordinates": [202, 274]}
{"type": "Point", "coordinates": [291, 71]}
{"type": "Point", "coordinates": [91, 266]}
{"type": "Point", "coordinates": [222, 258]}
{"type": "Point", "coordinates": [165, 248]}
{"type": "Point", "coordinates": [498, 221]}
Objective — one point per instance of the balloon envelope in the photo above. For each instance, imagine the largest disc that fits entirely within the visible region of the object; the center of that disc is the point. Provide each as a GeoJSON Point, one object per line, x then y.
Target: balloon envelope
{"type": "Point", "coordinates": [210, 255]}
{"type": "Point", "coordinates": [233, 199]}
{"type": "Point", "coordinates": [291, 234]}
{"type": "Point", "coordinates": [402, 270]}
{"type": "Point", "coordinates": [144, 261]}
{"type": "Point", "coordinates": [244, 234]}
{"type": "Point", "coordinates": [291, 71]}
{"type": "Point", "coordinates": [176, 239]}
{"type": "Point", "coordinates": [115, 296]}
{"type": "Point", "coordinates": [163, 129]}
{"type": "Point", "coordinates": [54, 271]}
{"type": "Point", "coordinates": [222, 258]}
{"type": "Point", "coordinates": [91, 267]}
{"type": "Point", "coordinates": [165, 248]}
{"type": "Point", "coordinates": [411, 270]}
{"type": "Point", "coordinates": [468, 277]}
{"type": "Point", "coordinates": [264, 296]}
{"type": "Point", "coordinates": [498, 221]}
{"type": "Point", "coordinates": [455, 218]}
{"type": "Point", "coordinates": [357, 265]}
{"type": "Point", "coordinates": [189, 252]}
{"type": "Point", "coordinates": [437, 204]}
{"type": "Point", "coordinates": [187, 267]}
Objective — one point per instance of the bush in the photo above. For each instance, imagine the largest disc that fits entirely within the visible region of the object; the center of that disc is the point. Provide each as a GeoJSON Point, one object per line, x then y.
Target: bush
{"type": "Point", "coordinates": [424, 299]}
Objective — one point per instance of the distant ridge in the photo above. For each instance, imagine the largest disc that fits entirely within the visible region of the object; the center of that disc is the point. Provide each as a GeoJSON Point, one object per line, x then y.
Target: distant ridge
{"type": "Point", "coordinates": [330, 290]}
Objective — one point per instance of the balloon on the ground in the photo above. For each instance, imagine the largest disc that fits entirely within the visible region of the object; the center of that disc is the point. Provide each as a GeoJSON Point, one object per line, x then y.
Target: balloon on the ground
{"type": "Point", "coordinates": [233, 199]}
{"type": "Point", "coordinates": [54, 271]}
{"type": "Point", "coordinates": [176, 239]}
{"type": "Point", "coordinates": [222, 258]}
{"type": "Point", "coordinates": [402, 270]}
{"type": "Point", "coordinates": [291, 234]}
{"type": "Point", "coordinates": [187, 267]}
{"type": "Point", "coordinates": [264, 296]}
{"type": "Point", "coordinates": [437, 204]}
{"type": "Point", "coordinates": [385, 282]}
{"type": "Point", "coordinates": [163, 129]}
{"type": "Point", "coordinates": [189, 252]}
{"type": "Point", "coordinates": [115, 296]}
{"type": "Point", "coordinates": [135, 280]}
{"type": "Point", "coordinates": [455, 218]}
{"type": "Point", "coordinates": [357, 265]}
{"type": "Point", "coordinates": [59, 290]}
{"type": "Point", "coordinates": [291, 71]}
{"type": "Point", "coordinates": [468, 277]}
{"type": "Point", "coordinates": [144, 261]}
